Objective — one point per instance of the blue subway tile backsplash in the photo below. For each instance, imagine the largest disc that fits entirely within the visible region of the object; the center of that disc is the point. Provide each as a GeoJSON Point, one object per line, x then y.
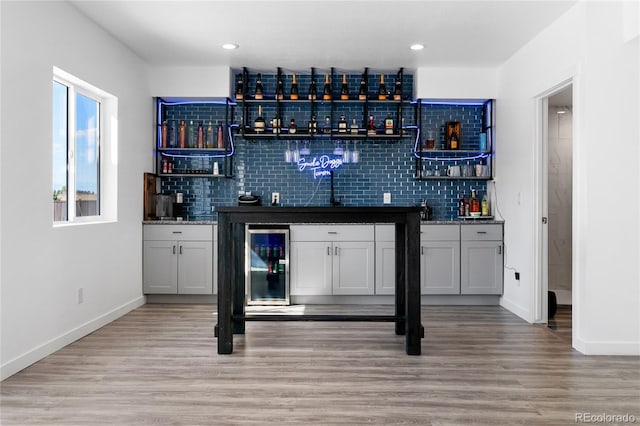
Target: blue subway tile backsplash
{"type": "Point", "coordinates": [259, 166]}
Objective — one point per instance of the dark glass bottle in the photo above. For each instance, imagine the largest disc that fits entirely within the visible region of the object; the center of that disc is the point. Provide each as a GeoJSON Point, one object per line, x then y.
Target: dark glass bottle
{"type": "Point", "coordinates": [382, 90]}
{"type": "Point", "coordinates": [344, 90]}
{"type": "Point", "coordinates": [397, 93]}
{"type": "Point", "coordinates": [362, 94]}
{"type": "Point", "coordinates": [259, 123]}
{"type": "Point", "coordinates": [326, 93]}
{"type": "Point", "coordinates": [313, 90]}
{"type": "Point", "coordinates": [280, 90]}
{"type": "Point", "coordinates": [294, 89]}
{"type": "Point", "coordinates": [371, 127]}
{"type": "Point", "coordinates": [239, 87]}
{"type": "Point", "coordinates": [259, 94]}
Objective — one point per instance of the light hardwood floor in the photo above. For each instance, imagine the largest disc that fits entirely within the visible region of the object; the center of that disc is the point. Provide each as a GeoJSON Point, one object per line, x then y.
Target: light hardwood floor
{"type": "Point", "coordinates": [480, 365]}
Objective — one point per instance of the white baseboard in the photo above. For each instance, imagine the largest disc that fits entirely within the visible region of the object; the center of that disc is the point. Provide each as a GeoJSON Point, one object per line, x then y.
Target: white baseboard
{"type": "Point", "coordinates": [607, 348]}
{"type": "Point", "coordinates": [516, 309]}
{"type": "Point", "coordinates": [23, 361]}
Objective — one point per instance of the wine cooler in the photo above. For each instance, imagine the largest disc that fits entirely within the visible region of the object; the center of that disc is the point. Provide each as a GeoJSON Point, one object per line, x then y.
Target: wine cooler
{"type": "Point", "coordinates": [267, 266]}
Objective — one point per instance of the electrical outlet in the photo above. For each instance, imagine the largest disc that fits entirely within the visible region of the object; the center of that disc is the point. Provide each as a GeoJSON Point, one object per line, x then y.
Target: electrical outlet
{"type": "Point", "coordinates": [80, 295]}
{"type": "Point", "coordinates": [386, 198]}
{"type": "Point", "coordinates": [275, 198]}
{"type": "Point", "coordinates": [517, 276]}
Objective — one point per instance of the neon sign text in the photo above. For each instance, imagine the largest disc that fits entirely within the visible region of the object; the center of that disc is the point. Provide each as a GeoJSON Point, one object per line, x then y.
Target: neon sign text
{"type": "Point", "coordinates": [320, 166]}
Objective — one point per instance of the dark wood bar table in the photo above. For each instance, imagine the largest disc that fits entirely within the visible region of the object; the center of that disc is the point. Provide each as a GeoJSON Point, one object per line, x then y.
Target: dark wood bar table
{"type": "Point", "coordinates": [231, 257]}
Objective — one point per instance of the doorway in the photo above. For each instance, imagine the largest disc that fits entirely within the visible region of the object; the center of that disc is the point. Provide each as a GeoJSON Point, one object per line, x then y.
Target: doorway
{"type": "Point", "coordinates": [555, 288]}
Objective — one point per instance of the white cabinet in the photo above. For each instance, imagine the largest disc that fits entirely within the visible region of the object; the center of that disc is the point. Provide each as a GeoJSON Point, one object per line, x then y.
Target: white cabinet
{"type": "Point", "coordinates": [385, 259]}
{"type": "Point", "coordinates": [482, 264]}
{"type": "Point", "coordinates": [440, 259]}
{"type": "Point", "coordinates": [178, 259]}
{"type": "Point", "coordinates": [332, 259]}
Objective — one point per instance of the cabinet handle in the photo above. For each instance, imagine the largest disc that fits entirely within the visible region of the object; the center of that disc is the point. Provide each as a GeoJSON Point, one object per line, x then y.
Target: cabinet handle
{"type": "Point", "coordinates": [499, 249]}
{"type": "Point", "coordinates": [174, 249]}
{"type": "Point", "coordinates": [335, 251]}
{"type": "Point", "coordinates": [328, 251]}
{"type": "Point", "coordinates": [332, 232]}
{"type": "Point", "coordinates": [481, 232]}
{"type": "Point", "coordinates": [177, 232]}
{"type": "Point", "coordinates": [421, 250]}
{"type": "Point", "coordinates": [180, 249]}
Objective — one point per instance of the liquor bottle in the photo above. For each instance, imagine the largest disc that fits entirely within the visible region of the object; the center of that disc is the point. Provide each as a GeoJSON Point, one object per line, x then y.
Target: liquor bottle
{"type": "Point", "coordinates": [326, 93]}
{"type": "Point", "coordinates": [382, 90]}
{"type": "Point", "coordinates": [182, 135]}
{"type": "Point", "coordinates": [371, 128]}
{"type": "Point", "coordinates": [362, 94]}
{"type": "Point", "coordinates": [259, 123]}
{"type": "Point", "coordinates": [453, 141]}
{"type": "Point", "coordinates": [344, 90]}
{"type": "Point", "coordinates": [388, 125]}
{"type": "Point", "coordinates": [164, 134]}
{"type": "Point", "coordinates": [397, 93]}
{"type": "Point", "coordinates": [192, 134]}
{"type": "Point", "coordinates": [200, 136]}
{"type": "Point", "coordinates": [354, 127]}
{"type": "Point", "coordinates": [276, 124]}
{"type": "Point", "coordinates": [485, 205]}
{"type": "Point", "coordinates": [259, 94]}
{"type": "Point", "coordinates": [292, 126]}
{"type": "Point", "coordinates": [313, 125]}
{"type": "Point", "coordinates": [209, 135]}
{"type": "Point", "coordinates": [239, 87]}
{"type": "Point", "coordinates": [294, 89]}
{"type": "Point", "coordinates": [220, 137]}
{"type": "Point", "coordinates": [461, 205]}
{"type": "Point", "coordinates": [313, 90]}
{"type": "Point", "coordinates": [280, 90]}
{"type": "Point", "coordinates": [327, 125]}
{"type": "Point", "coordinates": [172, 134]}
{"type": "Point", "coordinates": [342, 125]}
{"type": "Point", "coordinates": [474, 202]}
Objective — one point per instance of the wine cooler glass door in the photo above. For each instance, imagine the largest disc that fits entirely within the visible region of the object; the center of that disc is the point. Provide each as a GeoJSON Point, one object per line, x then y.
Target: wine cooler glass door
{"type": "Point", "coordinates": [267, 267]}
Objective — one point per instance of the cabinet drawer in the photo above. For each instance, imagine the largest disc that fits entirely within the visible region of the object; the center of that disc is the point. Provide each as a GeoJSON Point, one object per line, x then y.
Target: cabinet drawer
{"type": "Point", "coordinates": [332, 232]}
{"type": "Point", "coordinates": [481, 232]}
{"type": "Point", "coordinates": [385, 232]}
{"type": "Point", "coordinates": [177, 232]}
{"type": "Point", "coordinates": [439, 232]}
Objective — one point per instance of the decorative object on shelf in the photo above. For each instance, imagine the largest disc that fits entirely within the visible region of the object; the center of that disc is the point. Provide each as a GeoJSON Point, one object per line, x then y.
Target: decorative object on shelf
{"type": "Point", "coordinates": [452, 135]}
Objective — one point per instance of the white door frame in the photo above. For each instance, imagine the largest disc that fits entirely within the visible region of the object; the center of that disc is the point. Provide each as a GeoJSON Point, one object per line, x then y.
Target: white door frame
{"type": "Point", "coordinates": [541, 208]}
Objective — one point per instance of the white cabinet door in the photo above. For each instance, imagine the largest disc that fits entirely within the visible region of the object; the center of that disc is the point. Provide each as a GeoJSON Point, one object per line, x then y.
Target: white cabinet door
{"type": "Point", "coordinates": [160, 267]}
{"type": "Point", "coordinates": [481, 267]}
{"type": "Point", "coordinates": [195, 267]}
{"type": "Point", "coordinates": [353, 268]}
{"type": "Point", "coordinates": [310, 267]}
{"type": "Point", "coordinates": [385, 267]}
{"type": "Point", "coordinates": [440, 267]}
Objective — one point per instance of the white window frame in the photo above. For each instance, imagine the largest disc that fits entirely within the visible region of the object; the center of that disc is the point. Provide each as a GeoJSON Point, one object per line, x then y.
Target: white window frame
{"type": "Point", "coordinates": [107, 150]}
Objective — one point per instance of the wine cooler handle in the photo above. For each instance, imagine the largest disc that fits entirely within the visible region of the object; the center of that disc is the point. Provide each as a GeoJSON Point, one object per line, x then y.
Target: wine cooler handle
{"type": "Point", "coordinates": [421, 250]}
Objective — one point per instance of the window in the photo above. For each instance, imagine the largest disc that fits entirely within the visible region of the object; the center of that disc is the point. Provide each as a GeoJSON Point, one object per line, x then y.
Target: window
{"type": "Point", "coordinates": [78, 150]}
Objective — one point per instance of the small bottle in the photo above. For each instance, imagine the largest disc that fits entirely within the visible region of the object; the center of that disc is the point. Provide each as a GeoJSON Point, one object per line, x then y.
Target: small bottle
{"type": "Point", "coordinates": [454, 142]}
{"type": "Point", "coordinates": [294, 89]}
{"type": "Point", "coordinates": [485, 205]}
{"type": "Point", "coordinates": [280, 90]}
{"type": "Point", "coordinates": [259, 95]}
{"type": "Point", "coordinates": [313, 125]}
{"type": "Point", "coordinates": [382, 90]}
{"type": "Point", "coordinates": [192, 136]}
{"type": "Point", "coordinates": [327, 125]}
{"type": "Point", "coordinates": [200, 136]}
{"type": "Point", "coordinates": [354, 127]}
{"type": "Point", "coordinates": [165, 165]}
{"type": "Point", "coordinates": [362, 93]}
{"type": "Point", "coordinates": [293, 128]}
{"type": "Point", "coordinates": [461, 204]}
{"type": "Point", "coordinates": [259, 123]}
{"type": "Point", "coordinates": [164, 134]}
{"type": "Point", "coordinates": [239, 87]}
{"type": "Point", "coordinates": [275, 124]}
{"type": "Point", "coordinates": [182, 135]}
{"type": "Point", "coordinates": [474, 202]}
{"type": "Point", "coordinates": [344, 90]}
{"type": "Point", "coordinates": [326, 93]}
{"type": "Point", "coordinates": [342, 125]}
{"type": "Point", "coordinates": [172, 134]}
{"type": "Point", "coordinates": [397, 94]}
{"type": "Point", "coordinates": [220, 137]}
{"type": "Point", "coordinates": [216, 169]}
{"type": "Point", "coordinates": [388, 125]}
{"type": "Point", "coordinates": [371, 128]}
{"type": "Point", "coordinates": [313, 90]}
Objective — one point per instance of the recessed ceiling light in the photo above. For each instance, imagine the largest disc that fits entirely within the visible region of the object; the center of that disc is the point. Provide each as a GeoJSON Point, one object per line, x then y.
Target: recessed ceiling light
{"type": "Point", "coordinates": [230, 46]}
{"type": "Point", "coordinates": [416, 46]}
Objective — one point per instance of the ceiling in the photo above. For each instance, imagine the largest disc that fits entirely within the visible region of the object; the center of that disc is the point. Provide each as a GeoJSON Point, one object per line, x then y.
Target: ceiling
{"type": "Point", "coordinates": [346, 34]}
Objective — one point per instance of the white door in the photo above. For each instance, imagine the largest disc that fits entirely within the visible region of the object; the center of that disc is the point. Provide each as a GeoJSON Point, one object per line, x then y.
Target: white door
{"type": "Point", "coordinates": [481, 267]}
{"type": "Point", "coordinates": [440, 267]}
{"type": "Point", "coordinates": [195, 267]}
{"type": "Point", "coordinates": [160, 267]}
{"type": "Point", "coordinates": [385, 267]}
{"type": "Point", "coordinates": [353, 268]}
{"type": "Point", "coordinates": [310, 268]}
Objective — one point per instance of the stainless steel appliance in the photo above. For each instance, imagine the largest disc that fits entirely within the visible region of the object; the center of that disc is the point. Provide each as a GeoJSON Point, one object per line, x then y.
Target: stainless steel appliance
{"type": "Point", "coordinates": [267, 264]}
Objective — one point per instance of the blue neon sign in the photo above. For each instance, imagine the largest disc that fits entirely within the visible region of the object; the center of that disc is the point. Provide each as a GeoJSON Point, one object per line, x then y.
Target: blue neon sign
{"type": "Point", "coordinates": [320, 166]}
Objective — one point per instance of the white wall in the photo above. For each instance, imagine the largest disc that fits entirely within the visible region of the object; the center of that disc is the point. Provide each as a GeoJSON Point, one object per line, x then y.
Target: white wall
{"type": "Point", "coordinates": [456, 83]}
{"type": "Point", "coordinates": [589, 45]}
{"type": "Point", "coordinates": [42, 267]}
{"type": "Point", "coordinates": [185, 82]}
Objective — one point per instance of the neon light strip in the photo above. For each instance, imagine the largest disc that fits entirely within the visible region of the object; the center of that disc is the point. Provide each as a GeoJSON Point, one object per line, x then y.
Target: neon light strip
{"type": "Point", "coordinates": [475, 157]}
